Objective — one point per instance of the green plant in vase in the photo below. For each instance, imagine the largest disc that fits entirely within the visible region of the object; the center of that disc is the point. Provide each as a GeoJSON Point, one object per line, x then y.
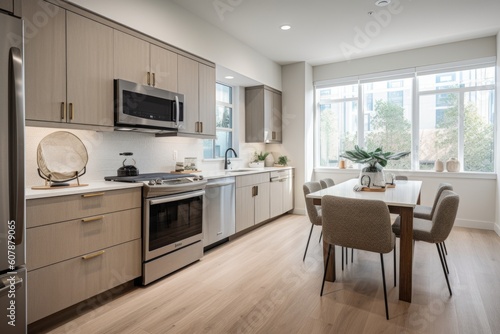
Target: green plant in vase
{"type": "Point", "coordinates": [372, 174]}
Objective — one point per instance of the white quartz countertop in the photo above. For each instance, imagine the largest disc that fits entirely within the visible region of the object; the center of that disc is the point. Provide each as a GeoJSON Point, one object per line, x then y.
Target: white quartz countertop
{"type": "Point", "coordinates": [110, 185]}
{"type": "Point", "coordinates": [92, 187]}
{"type": "Point", "coordinates": [240, 171]}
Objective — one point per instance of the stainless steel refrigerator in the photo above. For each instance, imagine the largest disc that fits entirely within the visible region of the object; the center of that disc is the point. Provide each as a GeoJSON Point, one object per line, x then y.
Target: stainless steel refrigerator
{"type": "Point", "coordinates": [12, 200]}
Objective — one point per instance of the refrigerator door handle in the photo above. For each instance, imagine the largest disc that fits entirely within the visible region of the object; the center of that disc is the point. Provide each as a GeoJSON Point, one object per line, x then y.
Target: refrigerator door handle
{"type": "Point", "coordinates": [16, 122]}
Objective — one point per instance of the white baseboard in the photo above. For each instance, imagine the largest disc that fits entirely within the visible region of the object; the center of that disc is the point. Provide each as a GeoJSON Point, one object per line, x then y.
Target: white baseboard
{"type": "Point", "coordinates": [299, 212]}
{"type": "Point", "coordinates": [475, 224]}
{"type": "Point", "coordinates": [497, 229]}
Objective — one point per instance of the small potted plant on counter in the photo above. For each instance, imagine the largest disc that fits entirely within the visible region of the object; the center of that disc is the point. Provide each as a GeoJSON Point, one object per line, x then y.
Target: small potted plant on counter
{"type": "Point", "coordinates": [282, 161]}
{"type": "Point", "coordinates": [258, 160]}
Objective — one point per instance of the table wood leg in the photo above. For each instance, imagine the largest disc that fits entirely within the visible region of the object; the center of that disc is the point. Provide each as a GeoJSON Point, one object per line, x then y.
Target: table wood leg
{"type": "Point", "coordinates": [330, 275]}
{"type": "Point", "coordinates": [406, 254]}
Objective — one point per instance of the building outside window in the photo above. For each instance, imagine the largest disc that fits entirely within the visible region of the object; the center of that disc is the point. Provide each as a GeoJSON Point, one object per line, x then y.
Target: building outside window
{"type": "Point", "coordinates": [453, 116]}
{"type": "Point", "coordinates": [215, 148]}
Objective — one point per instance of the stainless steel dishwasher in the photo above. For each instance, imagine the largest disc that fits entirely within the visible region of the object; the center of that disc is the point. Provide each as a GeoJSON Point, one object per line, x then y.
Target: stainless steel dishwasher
{"type": "Point", "coordinates": [218, 211]}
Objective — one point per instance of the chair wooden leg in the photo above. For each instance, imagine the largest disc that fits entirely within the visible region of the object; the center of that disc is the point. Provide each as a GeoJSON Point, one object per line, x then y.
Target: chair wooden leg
{"type": "Point", "coordinates": [445, 250]}
{"type": "Point", "coordinates": [308, 239]}
{"type": "Point", "coordinates": [394, 264]}
{"type": "Point", "coordinates": [326, 268]}
{"type": "Point", "coordinates": [385, 289]}
{"type": "Point", "coordinates": [346, 255]}
{"type": "Point", "coordinates": [320, 235]}
{"type": "Point", "coordinates": [444, 270]}
{"type": "Point", "coordinates": [444, 258]}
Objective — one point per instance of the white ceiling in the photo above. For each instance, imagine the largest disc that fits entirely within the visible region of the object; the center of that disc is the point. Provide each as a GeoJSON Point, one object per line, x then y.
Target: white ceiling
{"type": "Point", "coordinates": [322, 29]}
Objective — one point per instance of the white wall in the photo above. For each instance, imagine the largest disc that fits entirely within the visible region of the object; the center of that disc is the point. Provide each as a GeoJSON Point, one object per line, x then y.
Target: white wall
{"type": "Point", "coordinates": [444, 53]}
{"type": "Point", "coordinates": [297, 125]}
{"type": "Point", "coordinates": [174, 25]}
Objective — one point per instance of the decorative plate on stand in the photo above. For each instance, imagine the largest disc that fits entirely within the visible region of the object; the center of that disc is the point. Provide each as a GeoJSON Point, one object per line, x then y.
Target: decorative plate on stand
{"type": "Point", "coordinates": [61, 157]}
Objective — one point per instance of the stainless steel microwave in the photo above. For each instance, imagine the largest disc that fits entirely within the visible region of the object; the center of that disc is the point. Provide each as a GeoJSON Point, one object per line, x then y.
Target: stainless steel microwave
{"type": "Point", "coordinates": [145, 108]}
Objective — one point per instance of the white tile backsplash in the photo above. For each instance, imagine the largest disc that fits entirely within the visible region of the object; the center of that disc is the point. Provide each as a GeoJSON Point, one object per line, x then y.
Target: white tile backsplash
{"type": "Point", "coordinates": [152, 154]}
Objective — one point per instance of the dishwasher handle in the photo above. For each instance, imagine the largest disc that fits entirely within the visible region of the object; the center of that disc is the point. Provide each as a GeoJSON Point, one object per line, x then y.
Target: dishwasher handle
{"type": "Point", "coordinates": [219, 184]}
{"type": "Point", "coordinates": [279, 179]}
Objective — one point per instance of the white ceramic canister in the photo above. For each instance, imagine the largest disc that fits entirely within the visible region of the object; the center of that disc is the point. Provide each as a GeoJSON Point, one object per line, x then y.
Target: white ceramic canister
{"type": "Point", "coordinates": [438, 166]}
{"type": "Point", "coordinates": [453, 165]}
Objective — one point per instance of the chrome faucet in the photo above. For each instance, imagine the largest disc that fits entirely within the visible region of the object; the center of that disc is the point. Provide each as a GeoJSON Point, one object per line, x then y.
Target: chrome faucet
{"type": "Point", "coordinates": [226, 161]}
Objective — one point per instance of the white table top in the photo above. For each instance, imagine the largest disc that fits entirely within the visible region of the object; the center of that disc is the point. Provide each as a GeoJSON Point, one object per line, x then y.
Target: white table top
{"type": "Point", "coordinates": [405, 193]}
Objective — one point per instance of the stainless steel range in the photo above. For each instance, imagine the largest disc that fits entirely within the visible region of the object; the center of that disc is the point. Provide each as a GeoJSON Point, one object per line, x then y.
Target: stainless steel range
{"type": "Point", "coordinates": [172, 221]}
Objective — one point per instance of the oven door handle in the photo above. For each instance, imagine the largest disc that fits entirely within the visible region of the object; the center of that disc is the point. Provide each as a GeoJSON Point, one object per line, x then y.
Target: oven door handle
{"type": "Point", "coordinates": [167, 199]}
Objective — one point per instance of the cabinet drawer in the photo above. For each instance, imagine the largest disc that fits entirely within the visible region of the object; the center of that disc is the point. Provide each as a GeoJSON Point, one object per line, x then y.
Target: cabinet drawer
{"type": "Point", "coordinates": [44, 211]}
{"type": "Point", "coordinates": [252, 179]}
{"type": "Point", "coordinates": [61, 285]}
{"type": "Point", "coordinates": [58, 242]}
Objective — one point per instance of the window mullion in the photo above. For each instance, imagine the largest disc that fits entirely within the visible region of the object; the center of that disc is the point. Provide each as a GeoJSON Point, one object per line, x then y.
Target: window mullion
{"type": "Point", "coordinates": [361, 117]}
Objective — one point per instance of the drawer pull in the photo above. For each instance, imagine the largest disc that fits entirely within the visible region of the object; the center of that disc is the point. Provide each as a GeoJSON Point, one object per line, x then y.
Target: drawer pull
{"type": "Point", "coordinates": [91, 256]}
{"type": "Point", "coordinates": [92, 219]}
{"type": "Point", "coordinates": [92, 195]}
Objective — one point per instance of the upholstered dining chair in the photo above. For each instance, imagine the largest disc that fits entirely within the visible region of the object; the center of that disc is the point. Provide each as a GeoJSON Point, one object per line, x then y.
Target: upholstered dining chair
{"type": "Point", "coordinates": [426, 212]}
{"type": "Point", "coordinates": [358, 223]}
{"type": "Point", "coordinates": [437, 230]}
{"type": "Point", "coordinates": [313, 211]}
{"type": "Point", "coordinates": [327, 182]}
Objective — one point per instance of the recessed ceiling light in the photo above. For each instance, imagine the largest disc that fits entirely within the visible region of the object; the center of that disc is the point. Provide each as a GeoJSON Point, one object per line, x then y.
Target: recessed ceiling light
{"type": "Point", "coordinates": [285, 27]}
{"type": "Point", "coordinates": [382, 3]}
{"type": "Point", "coordinates": [229, 77]}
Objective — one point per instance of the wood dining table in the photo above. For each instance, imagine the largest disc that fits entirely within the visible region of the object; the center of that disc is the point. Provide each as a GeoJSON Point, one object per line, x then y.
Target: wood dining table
{"type": "Point", "coordinates": [401, 199]}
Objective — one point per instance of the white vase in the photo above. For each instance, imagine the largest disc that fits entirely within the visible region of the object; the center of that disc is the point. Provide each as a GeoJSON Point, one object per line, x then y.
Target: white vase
{"type": "Point", "coordinates": [269, 162]}
{"type": "Point", "coordinates": [438, 166]}
{"type": "Point", "coordinates": [372, 176]}
{"type": "Point", "coordinates": [453, 165]}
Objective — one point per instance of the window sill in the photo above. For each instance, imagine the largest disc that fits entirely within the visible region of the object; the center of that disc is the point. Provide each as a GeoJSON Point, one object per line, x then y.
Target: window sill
{"type": "Point", "coordinates": [416, 174]}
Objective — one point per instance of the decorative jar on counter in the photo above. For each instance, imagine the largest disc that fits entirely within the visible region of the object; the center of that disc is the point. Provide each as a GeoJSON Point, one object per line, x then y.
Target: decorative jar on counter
{"type": "Point", "coordinates": [438, 166]}
{"type": "Point", "coordinates": [453, 165]}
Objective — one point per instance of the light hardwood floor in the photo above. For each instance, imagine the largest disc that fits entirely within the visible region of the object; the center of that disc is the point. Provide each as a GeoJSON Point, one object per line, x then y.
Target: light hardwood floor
{"type": "Point", "coordinates": [259, 284]}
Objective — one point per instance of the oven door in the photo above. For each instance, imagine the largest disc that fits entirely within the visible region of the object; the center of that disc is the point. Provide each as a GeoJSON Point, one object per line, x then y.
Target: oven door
{"type": "Point", "coordinates": [172, 222]}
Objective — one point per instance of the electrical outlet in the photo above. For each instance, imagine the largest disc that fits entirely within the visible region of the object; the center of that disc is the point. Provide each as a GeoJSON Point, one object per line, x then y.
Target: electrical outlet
{"type": "Point", "coordinates": [174, 155]}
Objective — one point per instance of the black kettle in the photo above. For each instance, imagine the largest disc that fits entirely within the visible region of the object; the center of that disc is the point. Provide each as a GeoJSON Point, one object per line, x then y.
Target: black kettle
{"type": "Point", "coordinates": [127, 170]}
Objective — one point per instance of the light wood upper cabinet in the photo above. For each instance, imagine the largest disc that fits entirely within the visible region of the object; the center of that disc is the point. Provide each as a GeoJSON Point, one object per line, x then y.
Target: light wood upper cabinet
{"type": "Point", "coordinates": [69, 68]}
{"type": "Point", "coordinates": [164, 68]}
{"type": "Point", "coordinates": [137, 60]}
{"type": "Point", "coordinates": [45, 64]}
{"type": "Point", "coordinates": [131, 58]}
{"type": "Point", "coordinates": [263, 115]}
{"type": "Point", "coordinates": [207, 99]}
{"type": "Point", "coordinates": [188, 85]}
{"type": "Point", "coordinates": [89, 71]}
{"type": "Point", "coordinates": [197, 83]}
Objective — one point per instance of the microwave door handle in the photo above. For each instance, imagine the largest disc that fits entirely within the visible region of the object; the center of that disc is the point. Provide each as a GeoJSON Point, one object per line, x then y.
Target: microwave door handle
{"type": "Point", "coordinates": [177, 111]}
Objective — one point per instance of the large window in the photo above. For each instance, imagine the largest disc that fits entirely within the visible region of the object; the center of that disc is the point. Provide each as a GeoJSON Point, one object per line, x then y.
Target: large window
{"type": "Point", "coordinates": [224, 124]}
{"type": "Point", "coordinates": [452, 116]}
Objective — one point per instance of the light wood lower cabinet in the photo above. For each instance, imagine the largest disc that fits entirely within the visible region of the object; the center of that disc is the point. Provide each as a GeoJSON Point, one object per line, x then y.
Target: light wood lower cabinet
{"type": "Point", "coordinates": [63, 284]}
{"type": "Point", "coordinates": [281, 192]}
{"type": "Point", "coordinates": [79, 246]}
{"type": "Point", "coordinates": [252, 200]}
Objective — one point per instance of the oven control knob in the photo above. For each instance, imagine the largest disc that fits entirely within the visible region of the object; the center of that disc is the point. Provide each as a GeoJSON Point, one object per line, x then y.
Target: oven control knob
{"type": "Point", "coordinates": [159, 181]}
{"type": "Point", "coordinates": [200, 177]}
{"type": "Point", "coordinates": [151, 182]}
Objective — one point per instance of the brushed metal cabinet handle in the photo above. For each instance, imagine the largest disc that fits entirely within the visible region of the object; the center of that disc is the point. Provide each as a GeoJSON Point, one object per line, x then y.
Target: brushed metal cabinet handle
{"type": "Point", "coordinates": [93, 255]}
{"type": "Point", "coordinates": [92, 195]}
{"type": "Point", "coordinates": [149, 78]}
{"type": "Point", "coordinates": [92, 219]}
{"type": "Point", "coordinates": [63, 110]}
{"type": "Point", "coordinates": [71, 111]}
{"type": "Point", "coordinates": [154, 79]}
